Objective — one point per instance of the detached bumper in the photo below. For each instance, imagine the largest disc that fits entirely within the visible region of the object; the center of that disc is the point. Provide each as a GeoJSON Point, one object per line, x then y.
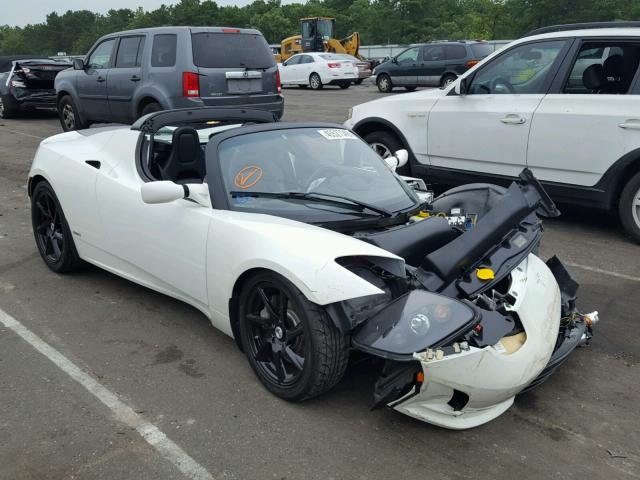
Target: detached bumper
{"type": "Point", "coordinates": [472, 387]}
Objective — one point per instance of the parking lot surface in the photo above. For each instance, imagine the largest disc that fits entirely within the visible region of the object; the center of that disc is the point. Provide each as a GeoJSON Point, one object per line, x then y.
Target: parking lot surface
{"type": "Point", "coordinates": [161, 359]}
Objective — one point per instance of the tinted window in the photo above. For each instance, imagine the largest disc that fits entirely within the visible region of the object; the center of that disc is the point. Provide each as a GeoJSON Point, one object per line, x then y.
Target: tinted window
{"type": "Point", "coordinates": [408, 56]}
{"type": "Point", "coordinates": [163, 53]}
{"type": "Point", "coordinates": [523, 69]}
{"type": "Point", "coordinates": [219, 50]}
{"type": "Point", "coordinates": [481, 50]}
{"type": "Point", "coordinates": [101, 56]}
{"type": "Point", "coordinates": [128, 52]}
{"type": "Point", "coordinates": [456, 52]}
{"type": "Point", "coordinates": [604, 67]}
{"type": "Point", "coordinates": [433, 53]}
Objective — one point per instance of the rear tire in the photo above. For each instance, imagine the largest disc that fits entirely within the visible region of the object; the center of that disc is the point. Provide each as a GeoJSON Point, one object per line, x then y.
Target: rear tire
{"type": "Point", "coordinates": [150, 108]}
{"type": "Point", "coordinates": [447, 80]}
{"type": "Point", "coordinates": [386, 144]}
{"type": "Point", "coordinates": [344, 85]}
{"type": "Point", "coordinates": [315, 82]}
{"type": "Point", "coordinates": [410, 88]}
{"type": "Point", "coordinates": [6, 108]}
{"type": "Point", "coordinates": [69, 117]}
{"type": "Point", "coordinates": [51, 231]}
{"type": "Point", "coordinates": [384, 83]}
{"type": "Point", "coordinates": [303, 86]}
{"type": "Point", "coordinates": [359, 81]}
{"type": "Point", "coordinates": [293, 346]}
{"type": "Point", "coordinates": [629, 207]}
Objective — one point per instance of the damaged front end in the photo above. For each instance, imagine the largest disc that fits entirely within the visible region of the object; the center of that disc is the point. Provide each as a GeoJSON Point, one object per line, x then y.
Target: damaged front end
{"type": "Point", "coordinates": [478, 318]}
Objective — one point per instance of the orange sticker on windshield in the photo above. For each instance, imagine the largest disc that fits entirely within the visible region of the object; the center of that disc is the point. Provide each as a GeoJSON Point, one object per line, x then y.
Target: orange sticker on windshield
{"type": "Point", "coordinates": [248, 177]}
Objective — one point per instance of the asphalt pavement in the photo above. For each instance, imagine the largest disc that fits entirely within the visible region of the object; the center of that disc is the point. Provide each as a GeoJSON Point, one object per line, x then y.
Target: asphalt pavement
{"type": "Point", "coordinates": [103, 379]}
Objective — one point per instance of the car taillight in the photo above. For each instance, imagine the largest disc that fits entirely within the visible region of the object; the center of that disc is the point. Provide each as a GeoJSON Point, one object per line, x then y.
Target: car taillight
{"type": "Point", "coordinates": [471, 63]}
{"type": "Point", "coordinates": [230, 30]}
{"type": "Point", "coordinates": [333, 65]}
{"type": "Point", "coordinates": [190, 84]}
{"type": "Point", "coordinates": [278, 83]}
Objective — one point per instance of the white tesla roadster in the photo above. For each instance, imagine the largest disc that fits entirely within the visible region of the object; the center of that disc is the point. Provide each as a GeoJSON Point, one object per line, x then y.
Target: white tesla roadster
{"type": "Point", "coordinates": [303, 244]}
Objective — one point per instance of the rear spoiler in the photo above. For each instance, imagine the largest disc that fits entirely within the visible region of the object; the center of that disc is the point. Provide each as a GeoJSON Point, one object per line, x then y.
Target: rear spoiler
{"type": "Point", "coordinates": [524, 197]}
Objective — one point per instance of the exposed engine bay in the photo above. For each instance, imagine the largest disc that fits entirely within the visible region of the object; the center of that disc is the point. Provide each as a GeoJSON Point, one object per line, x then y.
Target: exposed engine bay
{"type": "Point", "coordinates": [469, 255]}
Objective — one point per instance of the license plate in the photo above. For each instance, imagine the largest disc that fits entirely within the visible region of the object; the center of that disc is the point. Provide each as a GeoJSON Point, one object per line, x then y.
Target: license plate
{"type": "Point", "coordinates": [248, 85]}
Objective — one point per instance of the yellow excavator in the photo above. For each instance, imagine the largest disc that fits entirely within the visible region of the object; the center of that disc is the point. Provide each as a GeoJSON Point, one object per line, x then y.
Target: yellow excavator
{"type": "Point", "coordinates": [318, 36]}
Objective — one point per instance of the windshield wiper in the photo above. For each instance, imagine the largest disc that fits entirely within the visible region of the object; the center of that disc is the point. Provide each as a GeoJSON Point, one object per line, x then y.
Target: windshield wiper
{"type": "Point", "coordinates": [316, 197]}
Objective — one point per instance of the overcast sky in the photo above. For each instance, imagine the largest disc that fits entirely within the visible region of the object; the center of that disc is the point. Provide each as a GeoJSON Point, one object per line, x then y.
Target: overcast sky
{"type": "Point", "coordinates": [22, 12]}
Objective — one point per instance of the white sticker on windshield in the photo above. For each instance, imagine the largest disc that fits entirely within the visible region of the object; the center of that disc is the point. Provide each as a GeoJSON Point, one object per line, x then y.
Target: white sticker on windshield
{"type": "Point", "coordinates": [337, 134]}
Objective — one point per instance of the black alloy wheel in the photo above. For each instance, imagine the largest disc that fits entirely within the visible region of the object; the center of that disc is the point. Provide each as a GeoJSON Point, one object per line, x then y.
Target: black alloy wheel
{"type": "Point", "coordinates": [51, 231]}
{"type": "Point", "coordinates": [291, 344]}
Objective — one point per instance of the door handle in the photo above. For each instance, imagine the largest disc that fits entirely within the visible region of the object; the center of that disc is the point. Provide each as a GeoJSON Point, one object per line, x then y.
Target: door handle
{"type": "Point", "coordinates": [631, 124]}
{"type": "Point", "coordinates": [513, 119]}
{"type": "Point", "coordinates": [135, 78]}
{"type": "Point", "coordinates": [100, 79]}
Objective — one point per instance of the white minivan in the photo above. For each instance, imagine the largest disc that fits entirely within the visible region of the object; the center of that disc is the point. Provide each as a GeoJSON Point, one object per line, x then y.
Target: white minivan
{"type": "Point", "coordinates": [563, 101]}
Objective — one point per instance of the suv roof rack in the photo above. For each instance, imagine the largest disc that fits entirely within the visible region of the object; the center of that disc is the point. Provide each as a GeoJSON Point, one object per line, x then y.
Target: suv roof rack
{"type": "Point", "coordinates": [582, 26]}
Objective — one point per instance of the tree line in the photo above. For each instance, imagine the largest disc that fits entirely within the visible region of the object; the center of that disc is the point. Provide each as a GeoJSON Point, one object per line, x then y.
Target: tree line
{"type": "Point", "coordinates": [378, 21]}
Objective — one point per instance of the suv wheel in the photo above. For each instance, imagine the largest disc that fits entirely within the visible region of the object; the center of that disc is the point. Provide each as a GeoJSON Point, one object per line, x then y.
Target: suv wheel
{"type": "Point", "coordinates": [315, 82]}
{"type": "Point", "coordinates": [150, 108]}
{"type": "Point", "coordinates": [384, 83]}
{"type": "Point", "coordinates": [69, 116]}
{"type": "Point", "coordinates": [410, 88]}
{"type": "Point", "coordinates": [385, 144]}
{"type": "Point", "coordinates": [447, 80]}
{"type": "Point", "coordinates": [629, 208]}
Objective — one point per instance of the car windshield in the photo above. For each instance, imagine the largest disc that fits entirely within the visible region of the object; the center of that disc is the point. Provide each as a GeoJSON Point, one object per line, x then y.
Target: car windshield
{"type": "Point", "coordinates": [309, 172]}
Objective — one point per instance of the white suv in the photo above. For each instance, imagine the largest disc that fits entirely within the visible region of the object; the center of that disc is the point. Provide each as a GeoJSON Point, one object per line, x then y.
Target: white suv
{"type": "Point", "coordinates": [563, 101]}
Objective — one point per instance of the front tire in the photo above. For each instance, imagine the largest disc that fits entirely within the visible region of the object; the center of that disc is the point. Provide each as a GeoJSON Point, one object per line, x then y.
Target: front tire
{"type": "Point", "coordinates": [315, 82]}
{"type": "Point", "coordinates": [51, 231]}
{"type": "Point", "coordinates": [291, 343]}
{"type": "Point", "coordinates": [386, 144]}
{"type": "Point", "coordinates": [69, 117]}
{"type": "Point", "coordinates": [384, 83]}
{"type": "Point", "coordinates": [629, 207]}
{"type": "Point", "coordinates": [344, 85]}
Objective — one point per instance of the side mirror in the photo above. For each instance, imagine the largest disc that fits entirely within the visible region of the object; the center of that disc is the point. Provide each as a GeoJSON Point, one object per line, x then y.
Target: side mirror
{"type": "Point", "coordinates": [162, 192]}
{"type": "Point", "coordinates": [78, 64]}
{"type": "Point", "coordinates": [400, 159]}
{"type": "Point", "coordinates": [166, 191]}
{"type": "Point", "coordinates": [462, 87]}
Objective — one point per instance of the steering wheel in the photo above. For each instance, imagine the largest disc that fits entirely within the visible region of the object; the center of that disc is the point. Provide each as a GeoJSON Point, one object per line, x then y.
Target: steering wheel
{"type": "Point", "coordinates": [502, 82]}
{"type": "Point", "coordinates": [324, 171]}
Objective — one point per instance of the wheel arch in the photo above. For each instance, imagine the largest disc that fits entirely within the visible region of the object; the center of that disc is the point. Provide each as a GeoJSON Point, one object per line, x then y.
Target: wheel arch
{"type": "Point", "coordinates": [616, 177]}
{"type": "Point", "coordinates": [143, 102]}
{"type": "Point", "coordinates": [373, 124]}
{"type": "Point", "coordinates": [33, 181]}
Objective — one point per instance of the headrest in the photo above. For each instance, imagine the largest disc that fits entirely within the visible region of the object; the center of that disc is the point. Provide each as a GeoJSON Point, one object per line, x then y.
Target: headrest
{"type": "Point", "coordinates": [594, 78]}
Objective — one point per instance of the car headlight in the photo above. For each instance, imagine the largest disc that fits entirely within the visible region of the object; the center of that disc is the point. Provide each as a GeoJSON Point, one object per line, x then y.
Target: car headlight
{"type": "Point", "coordinates": [18, 84]}
{"type": "Point", "coordinates": [412, 323]}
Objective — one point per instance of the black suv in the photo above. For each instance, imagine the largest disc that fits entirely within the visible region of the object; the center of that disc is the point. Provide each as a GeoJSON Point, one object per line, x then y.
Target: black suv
{"type": "Point", "coordinates": [429, 65]}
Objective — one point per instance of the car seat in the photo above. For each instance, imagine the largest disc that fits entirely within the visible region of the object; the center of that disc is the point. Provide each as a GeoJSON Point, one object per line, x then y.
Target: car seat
{"type": "Point", "coordinates": [185, 163]}
{"type": "Point", "coordinates": [613, 69]}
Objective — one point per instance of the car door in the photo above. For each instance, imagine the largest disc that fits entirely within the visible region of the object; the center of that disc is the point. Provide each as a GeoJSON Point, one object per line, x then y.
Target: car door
{"type": "Point", "coordinates": [406, 67]}
{"type": "Point", "coordinates": [486, 130]}
{"type": "Point", "coordinates": [91, 83]}
{"type": "Point", "coordinates": [579, 131]}
{"type": "Point", "coordinates": [305, 68]}
{"type": "Point", "coordinates": [163, 245]}
{"type": "Point", "coordinates": [289, 72]}
{"type": "Point", "coordinates": [432, 65]}
{"type": "Point", "coordinates": [124, 77]}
